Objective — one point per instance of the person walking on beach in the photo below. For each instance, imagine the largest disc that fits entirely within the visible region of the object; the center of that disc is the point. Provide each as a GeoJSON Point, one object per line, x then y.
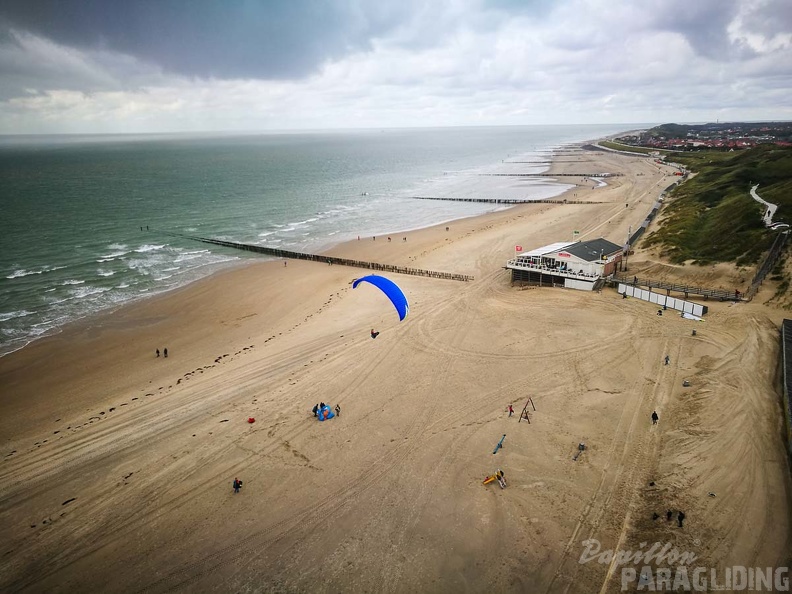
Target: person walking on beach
{"type": "Point", "coordinates": [667, 359]}
{"type": "Point", "coordinates": [680, 517]}
{"type": "Point", "coordinates": [315, 410]}
{"type": "Point", "coordinates": [669, 515]}
{"type": "Point", "coordinates": [237, 484]}
{"type": "Point", "coordinates": [654, 417]}
{"type": "Point", "coordinates": [511, 410]}
{"type": "Point", "coordinates": [374, 334]}
{"type": "Point", "coordinates": [157, 352]}
{"type": "Point", "coordinates": [338, 410]}
{"type": "Point", "coordinates": [165, 352]}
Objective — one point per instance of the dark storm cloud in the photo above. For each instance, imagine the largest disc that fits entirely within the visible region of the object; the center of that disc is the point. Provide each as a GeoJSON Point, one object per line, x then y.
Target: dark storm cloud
{"type": "Point", "coordinates": [705, 24]}
{"type": "Point", "coordinates": [774, 17]}
{"type": "Point", "coordinates": [207, 38]}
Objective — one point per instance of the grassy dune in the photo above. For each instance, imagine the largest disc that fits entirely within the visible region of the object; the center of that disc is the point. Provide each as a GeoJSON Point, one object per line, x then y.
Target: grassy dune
{"type": "Point", "coordinates": [712, 217]}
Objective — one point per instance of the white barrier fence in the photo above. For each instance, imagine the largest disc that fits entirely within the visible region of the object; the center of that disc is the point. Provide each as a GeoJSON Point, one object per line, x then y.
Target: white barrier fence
{"type": "Point", "coordinates": [663, 300]}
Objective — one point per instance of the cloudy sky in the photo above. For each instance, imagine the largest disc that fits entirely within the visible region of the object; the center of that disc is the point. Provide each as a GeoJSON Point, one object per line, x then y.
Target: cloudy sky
{"type": "Point", "coordinates": [72, 66]}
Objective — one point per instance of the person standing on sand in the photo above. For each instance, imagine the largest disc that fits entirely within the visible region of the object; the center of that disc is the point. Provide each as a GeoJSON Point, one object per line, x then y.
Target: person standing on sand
{"type": "Point", "coordinates": [654, 417]}
{"type": "Point", "coordinates": [165, 352]}
{"type": "Point", "coordinates": [315, 410]}
{"type": "Point", "coordinates": [374, 334]}
{"type": "Point", "coordinates": [338, 410]}
{"type": "Point", "coordinates": [667, 359]}
{"type": "Point", "coordinates": [157, 352]}
{"type": "Point", "coordinates": [680, 517]}
{"type": "Point", "coordinates": [237, 484]}
{"type": "Point", "coordinates": [511, 410]}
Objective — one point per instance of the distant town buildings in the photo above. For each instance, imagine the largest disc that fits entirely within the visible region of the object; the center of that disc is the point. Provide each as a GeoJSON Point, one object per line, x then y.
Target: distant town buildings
{"type": "Point", "coordinates": [727, 136]}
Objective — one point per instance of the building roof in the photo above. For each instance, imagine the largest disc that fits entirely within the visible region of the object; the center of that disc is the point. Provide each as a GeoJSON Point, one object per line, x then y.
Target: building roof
{"type": "Point", "coordinates": [593, 249]}
{"type": "Point", "coordinates": [553, 247]}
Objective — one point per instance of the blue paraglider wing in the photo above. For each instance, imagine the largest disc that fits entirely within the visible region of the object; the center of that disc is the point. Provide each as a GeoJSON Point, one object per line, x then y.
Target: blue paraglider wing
{"type": "Point", "coordinates": [390, 289]}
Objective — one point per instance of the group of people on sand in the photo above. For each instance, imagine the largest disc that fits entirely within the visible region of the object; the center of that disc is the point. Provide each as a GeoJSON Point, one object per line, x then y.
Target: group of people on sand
{"type": "Point", "coordinates": [670, 516]}
{"type": "Point", "coordinates": [317, 407]}
{"type": "Point", "coordinates": [164, 352]}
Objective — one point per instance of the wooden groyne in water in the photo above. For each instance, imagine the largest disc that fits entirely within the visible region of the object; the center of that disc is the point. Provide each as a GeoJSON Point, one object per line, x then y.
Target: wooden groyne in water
{"type": "Point", "coordinates": [507, 200]}
{"type": "Point", "coordinates": [328, 259]}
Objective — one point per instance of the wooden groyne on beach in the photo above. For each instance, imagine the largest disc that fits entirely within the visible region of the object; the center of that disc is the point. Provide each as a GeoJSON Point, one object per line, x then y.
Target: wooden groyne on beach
{"type": "Point", "coordinates": [597, 175]}
{"type": "Point", "coordinates": [506, 200]}
{"type": "Point", "coordinates": [543, 162]}
{"type": "Point", "coordinates": [278, 253]}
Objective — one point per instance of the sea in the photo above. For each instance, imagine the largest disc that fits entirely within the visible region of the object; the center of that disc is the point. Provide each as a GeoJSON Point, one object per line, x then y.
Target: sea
{"type": "Point", "coordinates": [87, 220]}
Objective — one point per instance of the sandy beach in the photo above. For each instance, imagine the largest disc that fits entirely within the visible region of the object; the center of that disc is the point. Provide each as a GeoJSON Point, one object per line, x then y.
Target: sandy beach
{"type": "Point", "coordinates": [117, 465]}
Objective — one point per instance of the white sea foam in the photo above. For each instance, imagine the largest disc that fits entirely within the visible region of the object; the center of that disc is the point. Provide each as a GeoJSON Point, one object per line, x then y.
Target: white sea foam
{"type": "Point", "coordinates": [4, 317]}
{"type": "Point", "coordinates": [87, 291]}
{"type": "Point", "coordinates": [101, 272]}
{"type": "Point", "coordinates": [72, 282]}
{"type": "Point", "coordinates": [189, 256]}
{"type": "Point", "coordinates": [113, 255]}
{"type": "Point", "coordinates": [149, 248]}
{"type": "Point", "coordinates": [22, 272]}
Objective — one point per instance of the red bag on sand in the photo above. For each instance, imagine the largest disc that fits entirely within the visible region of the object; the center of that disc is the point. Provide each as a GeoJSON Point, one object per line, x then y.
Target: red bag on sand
{"type": "Point", "coordinates": [251, 420]}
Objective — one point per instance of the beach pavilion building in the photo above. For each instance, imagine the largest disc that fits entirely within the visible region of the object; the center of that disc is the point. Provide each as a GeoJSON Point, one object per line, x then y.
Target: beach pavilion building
{"type": "Point", "coordinates": [582, 265]}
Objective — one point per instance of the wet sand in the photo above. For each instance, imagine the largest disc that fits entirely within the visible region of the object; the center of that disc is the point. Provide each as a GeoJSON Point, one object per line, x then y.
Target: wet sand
{"type": "Point", "coordinates": [117, 465]}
